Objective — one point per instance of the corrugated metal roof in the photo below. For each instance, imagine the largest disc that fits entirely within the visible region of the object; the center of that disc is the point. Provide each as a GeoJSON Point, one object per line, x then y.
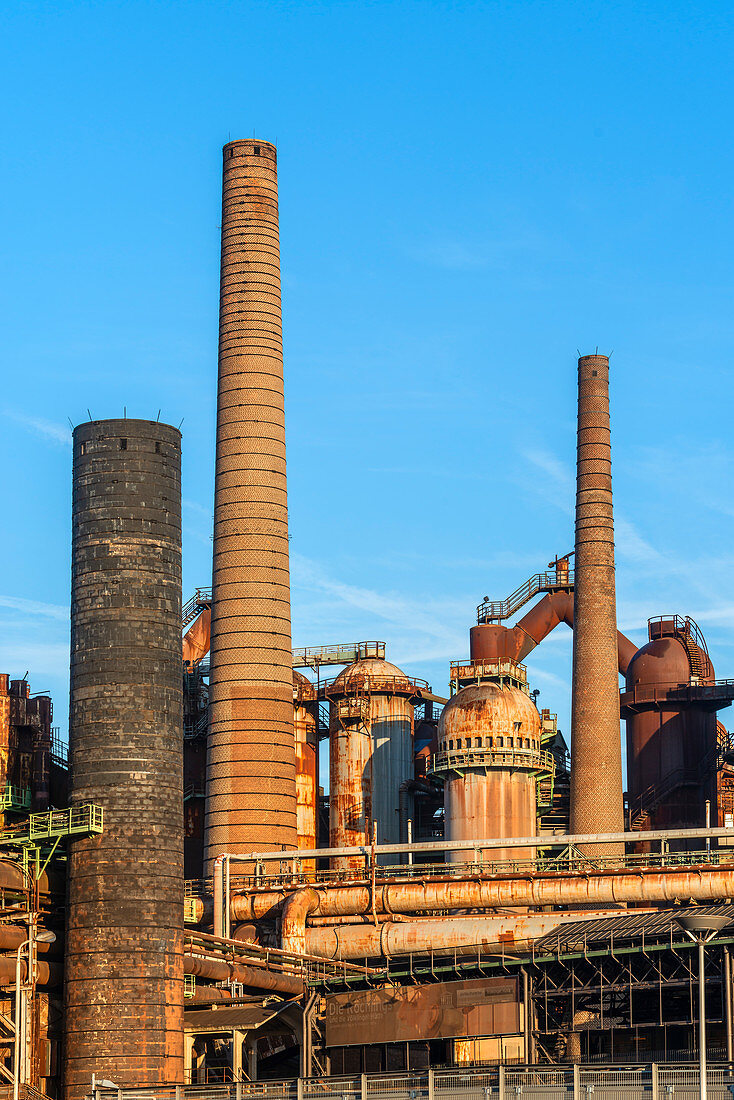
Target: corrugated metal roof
{"type": "Point", "coordinates": [628, 926]}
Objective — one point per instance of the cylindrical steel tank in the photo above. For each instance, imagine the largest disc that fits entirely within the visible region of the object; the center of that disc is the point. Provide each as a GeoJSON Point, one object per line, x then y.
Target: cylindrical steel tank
{"type": "Point", "coordinates": [596, 746]}
{"type": "Point", "coordinates": [671, 743]}
{"type": "Point", "coordinates": [124, 933]}
{"type": "Point", "coordinates": [251, 771]}
{"type": "Point", "coordinates": [489, 756]}
{"type": "Point", "coordinates": [370, 753]}
{"type": "Point", "coordinates": [306, 726]}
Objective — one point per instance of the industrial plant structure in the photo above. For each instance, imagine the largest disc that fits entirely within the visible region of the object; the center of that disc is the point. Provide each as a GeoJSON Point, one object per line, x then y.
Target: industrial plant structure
{"type": "Point", "coordinates": [183, 904]}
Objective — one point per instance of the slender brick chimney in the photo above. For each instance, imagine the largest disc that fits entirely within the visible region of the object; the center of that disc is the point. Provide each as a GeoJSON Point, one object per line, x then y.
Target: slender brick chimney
{"type": "Point", "coordinates": [251, 770]}
{"type": "Point", "coordinates": [596, 747]}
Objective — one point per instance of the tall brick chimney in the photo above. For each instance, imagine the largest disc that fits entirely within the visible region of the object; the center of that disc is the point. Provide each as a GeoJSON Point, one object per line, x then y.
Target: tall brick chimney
{"type": "Point", "coordinates": [596, 747]}
{"type": "Point", "coordinates": [251, 768]}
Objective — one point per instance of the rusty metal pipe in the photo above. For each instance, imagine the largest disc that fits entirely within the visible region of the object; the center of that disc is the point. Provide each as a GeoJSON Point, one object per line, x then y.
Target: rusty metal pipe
{"type": "Point", "coordinates": [210, 994]}
{"type": "Point", "coordinates": [221, 970]}
{"type": "Point", "coordinates": [12, 936]}
{"type": "Point", "coordinates": [490, 640]}
{"type": "Point", "coordinates": [595, 888]}
{"type": "Point", "coordinates": [47, 973]}
{"type": "Point", "coordinates": [11, 876]}
{"type": "Point", "coordinates": [494, 934]}
{"type": "Point", "coordinates": [296, 910]}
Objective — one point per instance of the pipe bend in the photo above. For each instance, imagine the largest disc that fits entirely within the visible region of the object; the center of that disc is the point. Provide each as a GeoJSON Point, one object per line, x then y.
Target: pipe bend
{"type": "Point", "coordinates": [296, 908]}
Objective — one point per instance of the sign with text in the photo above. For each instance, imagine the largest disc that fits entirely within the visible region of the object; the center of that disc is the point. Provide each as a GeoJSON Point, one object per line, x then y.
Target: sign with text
{"type": "Point", "coordinates": [446, 1010]}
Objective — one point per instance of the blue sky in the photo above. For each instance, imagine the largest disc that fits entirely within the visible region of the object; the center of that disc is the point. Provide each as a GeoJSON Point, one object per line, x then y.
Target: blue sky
{"type": "Point", "coordinates": [469, 194]}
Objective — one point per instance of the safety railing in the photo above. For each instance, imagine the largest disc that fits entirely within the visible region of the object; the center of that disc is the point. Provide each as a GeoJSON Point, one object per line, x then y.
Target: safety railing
{"type": "Point", "coordinates": [194, 790]}
{"type": "Point", "coordinates": [461, 760]}
{"type": "Point", "coordinates": [201, 599]}
{"type": "Point", "coordinates": [342, 653]}
{"type": "Point", "coordinates": [542, 1082]}
{"type": "Point", "coordinates": [568, 862]}
{"type": "Point", "coordinates": [493, 611]}
{"type": "Point", "coordinates": [59, 749]}
{"type": "Point", "coordinates": [713, 692]}
{"type": "Point", "coordinates": [493, 668]}
{"type": "Point", "coordinates": [15, 799]}
{"type": "Point", "coordinates": [83, 820]}
{"type": "Point", "coordinates": [370, 684]}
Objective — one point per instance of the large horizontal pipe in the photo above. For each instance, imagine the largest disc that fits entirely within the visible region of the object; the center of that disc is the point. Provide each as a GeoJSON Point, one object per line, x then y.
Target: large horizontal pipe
{"type": "Point", "coordinates": [47, 973]}
{"type": "Point", "coordinates": [497, 892]}
{"type": "Point", "coordinates": [13, 935]}
{"type": "Point", "coordinates": [596, 889]}
{"type": "Point", "coordinates": [210, 994]}
{"type": "Point", "coordinates": [221, 970]}
{"type": "Point", "coordinates": [11, 876]}
{"type": "Point", "coordinates": [496, 935]}
{"type": "Point", "coordinates": [516, 642]}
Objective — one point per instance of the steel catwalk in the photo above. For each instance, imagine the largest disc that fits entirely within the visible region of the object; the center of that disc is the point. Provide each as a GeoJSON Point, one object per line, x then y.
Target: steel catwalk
{"type": "Point", "coordinates": [251, 768]}
{"type": "Point", "coordinates": [124, 938]}
{"type": "Point", "coordinates": [596, 747]}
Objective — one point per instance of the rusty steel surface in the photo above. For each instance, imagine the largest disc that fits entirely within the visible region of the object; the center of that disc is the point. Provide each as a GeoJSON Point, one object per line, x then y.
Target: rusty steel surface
{"type": "Point", "coordinates": [47, 973]}
{"type": "Point", "coordinates": [25, 743]}
{"type": "Point", "coordinates": [671, 746]}
{"type": "Point", "coordinates": [251, 771]}
{"type": "Point", "coordinates": [597, 889]}
{"type": "Point", "coordinates": [370, 753]}
{"type": "Point", "coordinates": [488, 640]}
{"type": "Point", "coordinates": [495, 934]}
{"type": "Point", "coordinates": [497, 802]}
{"type": "Point", "coordinates": [305, 726]}
{"type": "Point", "coordinates": [482, 1006]}
{"type": "Point", "coordinates": [255, 977]}
{"type": "Point", "coordinates": [124, 938]}
{"type": "Point", "coordinates": [197, 639]}
{"type": "Point", "coordinates": [4, 732]}
{"type": "Point", "coordinates": [596, 748]}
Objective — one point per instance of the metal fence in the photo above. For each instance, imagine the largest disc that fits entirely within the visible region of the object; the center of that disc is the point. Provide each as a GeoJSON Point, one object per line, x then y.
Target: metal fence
{"type": "Point", "coordinates": [619, 1082]}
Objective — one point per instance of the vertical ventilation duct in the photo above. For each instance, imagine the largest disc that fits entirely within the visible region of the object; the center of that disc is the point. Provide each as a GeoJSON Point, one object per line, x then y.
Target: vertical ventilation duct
{"type": "Point", "coordinates": [596, 748]}
{"type": "Point", "coordinates": [124, 933]}
{"type": "Point", "coordinates": [251, 770]}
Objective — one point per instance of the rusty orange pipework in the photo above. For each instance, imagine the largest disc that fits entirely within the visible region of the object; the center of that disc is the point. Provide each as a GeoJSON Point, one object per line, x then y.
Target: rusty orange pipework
{"type": "Point", "coordinates": [490, 640]}
{"type": "Point", "coordinates": [225, 970]}
{"type": "Point", "coordinates": [595, 888]}
{"type": "Point", "coordinates": [463, 935]}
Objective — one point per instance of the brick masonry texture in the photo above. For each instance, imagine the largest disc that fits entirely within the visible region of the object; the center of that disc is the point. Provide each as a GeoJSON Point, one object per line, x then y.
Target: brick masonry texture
{"type": "Point", "coordinates": [596, 749]}
{"type": "Point", "coordinates": [251, 766]}
{"type": "Point", "coordinates": [124, 954]}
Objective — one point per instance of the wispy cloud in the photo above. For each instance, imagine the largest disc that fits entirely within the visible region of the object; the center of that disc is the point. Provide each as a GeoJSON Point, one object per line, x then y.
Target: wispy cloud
{"type": "Point", "coordinates": [48, 429]}
{"type": "Point", "coordinates": [199, 509]}
{"type": "Point", "coordinates": [419, 631]}
{"type": "Point", "coordinates": [35, 607]}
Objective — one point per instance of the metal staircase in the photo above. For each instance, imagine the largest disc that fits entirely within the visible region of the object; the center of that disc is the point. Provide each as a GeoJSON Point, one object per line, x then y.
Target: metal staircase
{"type": "Point", "coordinates": [560, 580]}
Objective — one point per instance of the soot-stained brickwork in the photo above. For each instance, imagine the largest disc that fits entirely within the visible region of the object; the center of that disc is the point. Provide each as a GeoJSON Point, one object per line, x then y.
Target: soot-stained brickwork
{"type": "Point", "coordinates": [124, 960]}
